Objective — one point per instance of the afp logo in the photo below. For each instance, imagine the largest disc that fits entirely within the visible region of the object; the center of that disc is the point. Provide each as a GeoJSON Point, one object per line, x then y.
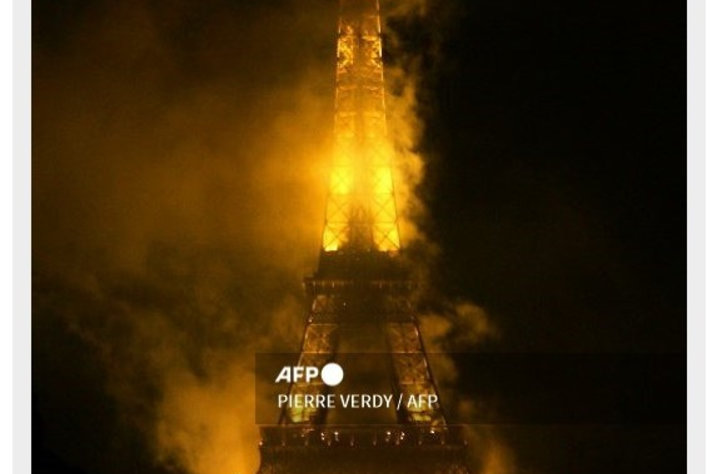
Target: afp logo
{"type": "Point", "coordinates": [331, 374]}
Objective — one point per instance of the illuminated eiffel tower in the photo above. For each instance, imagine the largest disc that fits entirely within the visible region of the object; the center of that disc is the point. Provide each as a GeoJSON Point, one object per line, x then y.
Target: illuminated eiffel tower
{"type": "Point", "coordinates": [361, 296]}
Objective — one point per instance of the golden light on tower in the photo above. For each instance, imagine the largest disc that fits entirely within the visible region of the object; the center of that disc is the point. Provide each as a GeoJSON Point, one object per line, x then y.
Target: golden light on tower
{"type": "Point", "coordinates": [361, 209]}
{"type": "Point", "coordinates": [361, 300]}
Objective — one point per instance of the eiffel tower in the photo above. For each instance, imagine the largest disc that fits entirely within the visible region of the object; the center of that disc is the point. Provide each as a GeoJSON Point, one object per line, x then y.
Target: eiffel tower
{"type": "Point", "coordinates": [361, 296]}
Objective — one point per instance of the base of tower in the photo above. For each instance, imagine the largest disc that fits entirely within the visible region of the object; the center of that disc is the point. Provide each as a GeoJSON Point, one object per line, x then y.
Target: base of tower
{"type": "Point", "coordinates": [383, 449]}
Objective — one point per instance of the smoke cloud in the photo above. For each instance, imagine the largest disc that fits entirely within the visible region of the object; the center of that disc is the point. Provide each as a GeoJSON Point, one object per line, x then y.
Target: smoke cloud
{"type": "Point", "coordinates": [180, 155]}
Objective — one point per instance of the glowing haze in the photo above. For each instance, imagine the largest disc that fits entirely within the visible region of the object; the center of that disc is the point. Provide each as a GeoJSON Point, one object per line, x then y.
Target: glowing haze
{"type": "Point", "coordinates": [181, 170]}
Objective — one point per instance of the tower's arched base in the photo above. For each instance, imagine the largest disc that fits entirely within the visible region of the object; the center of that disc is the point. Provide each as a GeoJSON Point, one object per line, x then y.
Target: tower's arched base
{"type": "Point", "coordinates": [372, 450]}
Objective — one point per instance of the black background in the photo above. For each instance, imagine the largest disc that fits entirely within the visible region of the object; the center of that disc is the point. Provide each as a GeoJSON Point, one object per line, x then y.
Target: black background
{"type": "Point", "coordinates": [559, 188]}
{"type": "Point", "coordinates": [562, 126]}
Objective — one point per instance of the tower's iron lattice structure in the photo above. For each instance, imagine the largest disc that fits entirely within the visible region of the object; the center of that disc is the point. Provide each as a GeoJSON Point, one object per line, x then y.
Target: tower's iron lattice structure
{"type": "Point", "coordinates": [361, 296]}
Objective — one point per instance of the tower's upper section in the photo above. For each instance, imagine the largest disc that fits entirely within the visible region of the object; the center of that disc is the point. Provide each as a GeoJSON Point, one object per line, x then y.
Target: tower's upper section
{"type": "Point", "coordinates": [360, 211]}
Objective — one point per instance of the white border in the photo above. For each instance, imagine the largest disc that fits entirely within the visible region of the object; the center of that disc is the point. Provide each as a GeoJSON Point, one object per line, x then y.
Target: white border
{"type": "Point", "coordinates": [697, 387]}
{"type": "Point", "coordinates": [19, 443]}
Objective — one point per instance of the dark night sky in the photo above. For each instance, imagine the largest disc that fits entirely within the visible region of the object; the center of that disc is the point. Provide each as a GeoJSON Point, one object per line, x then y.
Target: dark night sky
{"type": "Point", "coordinates": [562, 126]}
{"type": "Point", "coordinates": [554, 137]}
